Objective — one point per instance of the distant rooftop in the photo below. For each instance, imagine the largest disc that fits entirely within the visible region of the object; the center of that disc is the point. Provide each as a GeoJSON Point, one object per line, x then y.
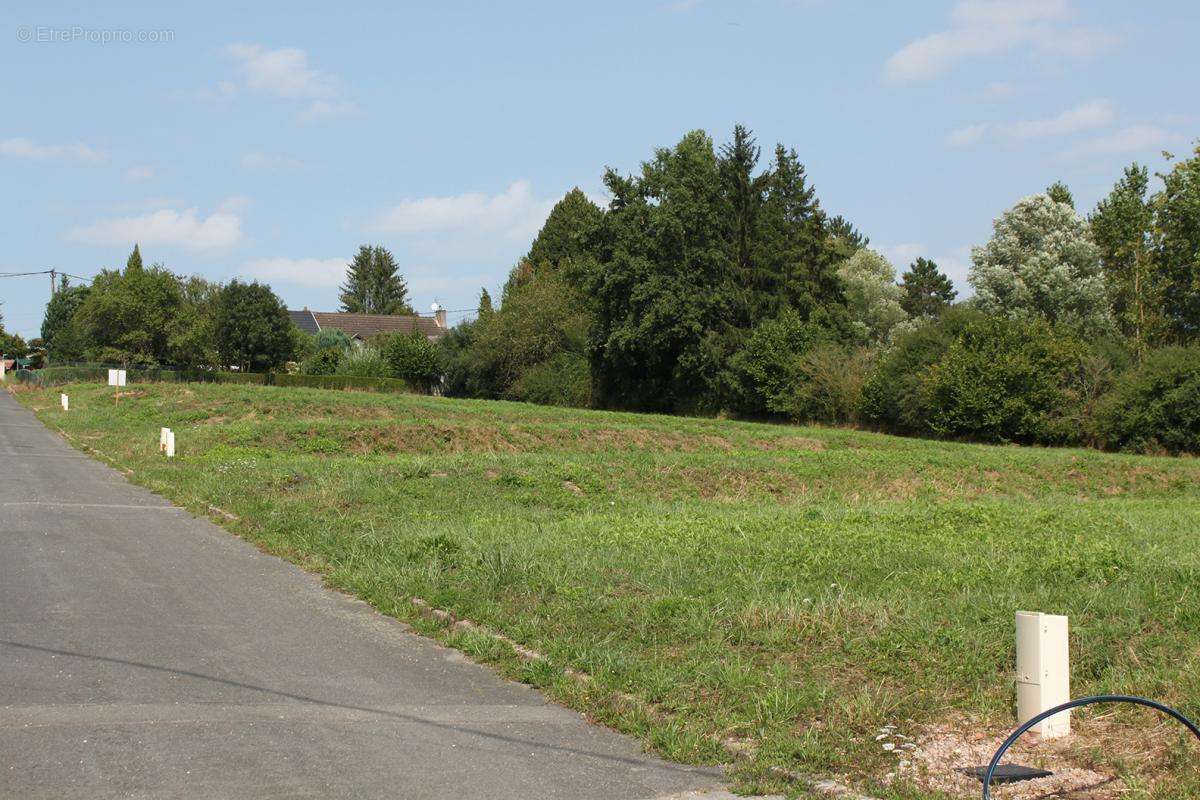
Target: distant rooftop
{"type": "Point", "coordinates": [364, 326]}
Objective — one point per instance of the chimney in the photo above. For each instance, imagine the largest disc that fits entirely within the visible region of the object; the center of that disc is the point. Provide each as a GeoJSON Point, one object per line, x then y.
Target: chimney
{"type": "Point", "coordinates": [439, 314]}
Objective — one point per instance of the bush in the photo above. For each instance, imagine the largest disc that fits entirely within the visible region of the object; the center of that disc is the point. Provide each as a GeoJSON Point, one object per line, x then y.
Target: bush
{"type": "Point", "coordinates": [1006, 381]}
{"type": "Point", "coordinates": [764, 376]}
{"type": "Point", "coordinates": [1157, 406]}
{"type": "Point", "coordinates": [322, 362]}
{"type": "Point", "coordinates": [564, 380]}
{"type": "Point", "coordinates": [413, 358]}
{"type": "Point", "coordinates": [831, 383]}
{"type": "Point", "coordinates": [892, 397]}
{"type": "Point", "coordinates": [364, 362]}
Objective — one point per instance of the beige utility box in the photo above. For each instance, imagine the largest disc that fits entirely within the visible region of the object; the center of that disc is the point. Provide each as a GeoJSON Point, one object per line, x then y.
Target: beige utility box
{"type": "Point", "coordinates": [1043, 671]}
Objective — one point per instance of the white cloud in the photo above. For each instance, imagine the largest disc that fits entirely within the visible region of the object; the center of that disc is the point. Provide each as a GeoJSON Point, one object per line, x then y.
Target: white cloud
{"type": "Point", "coordinates": [902, 255]}
{"type": "Point", "coordinates": [1131, 139]}
{"type": "Point", "coordinates": [515, 213]}
{"type": "Point", "coordinates": [169, 227]}
{"type": "Point", "coordinates": [980, 28]}
{"type": "Point", "coordinates": [138, 174]}
{"type": "Point", "coordinates": [1083, 117]}
{"type": "Point", "coordinates": [314, 272]}
{"type": "Point", "coordinates": [258, 160]}
{"type": "Point", "coordinates": [1086, 116]}
{"type": "Point", "coordinates": [283, 73]}
{"type": "Point", "coordinates": [1000, 90]}
{"type": "Point", "coordinates": [966, 136]}
{"type": "Point", "coordinates": [26, 148]}
{"type": "Point", "coordinates": [324, 109]}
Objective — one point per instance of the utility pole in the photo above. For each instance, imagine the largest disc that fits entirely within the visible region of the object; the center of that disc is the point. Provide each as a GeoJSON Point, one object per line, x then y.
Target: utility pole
{"type": "Point", "coordinates": [53, 286]}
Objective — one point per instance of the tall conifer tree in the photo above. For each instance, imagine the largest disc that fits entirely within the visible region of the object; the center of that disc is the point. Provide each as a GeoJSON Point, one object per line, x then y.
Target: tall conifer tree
{"type": "Point", "coordinates": [927, 290]}
{"type": "Point", "coordinates": [374, 284]}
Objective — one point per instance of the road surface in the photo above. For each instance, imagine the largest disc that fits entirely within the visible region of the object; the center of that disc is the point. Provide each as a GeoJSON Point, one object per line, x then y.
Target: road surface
{"type": "Point", "coordinates": [148, 653]}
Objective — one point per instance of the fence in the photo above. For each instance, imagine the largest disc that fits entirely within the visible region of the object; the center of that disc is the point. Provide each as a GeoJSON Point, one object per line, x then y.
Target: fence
{"type": "Point", "coordinates": [86, 373]}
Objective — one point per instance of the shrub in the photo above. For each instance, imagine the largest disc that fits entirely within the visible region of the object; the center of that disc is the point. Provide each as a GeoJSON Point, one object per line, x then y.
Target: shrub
{"type": "Point", "coordinates": [831, 383]}
{"type": "Point", "coordinates": [415, 359]}
{"type": "Point", "coordinates": [364, 362]}
{"type": "Point", "coordinates": [564, 380]}
{"type": "Point", "coordinates": [764, 375]}
{"type": "Point", "coordinates": [322, 362]}
{"type": "Point", "coordinates": [1005, 380]}
{"type": "Point", "coordinates": [892, 396]}
{"type": "Point", "coordinates": [1157, 406]}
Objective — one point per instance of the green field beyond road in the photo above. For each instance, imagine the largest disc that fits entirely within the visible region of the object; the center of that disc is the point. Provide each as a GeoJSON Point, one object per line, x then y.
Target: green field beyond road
{"type": "Point", "coordinates": [790, 591]}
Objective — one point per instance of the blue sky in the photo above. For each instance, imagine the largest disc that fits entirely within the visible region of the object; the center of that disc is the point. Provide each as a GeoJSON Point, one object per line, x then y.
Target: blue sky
{"type": "Point", "coordinates": [269, 140]}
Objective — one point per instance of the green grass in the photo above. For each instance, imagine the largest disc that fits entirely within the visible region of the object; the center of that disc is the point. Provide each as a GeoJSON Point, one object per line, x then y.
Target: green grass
{"type": "Point", "coordinates": [796, 587]}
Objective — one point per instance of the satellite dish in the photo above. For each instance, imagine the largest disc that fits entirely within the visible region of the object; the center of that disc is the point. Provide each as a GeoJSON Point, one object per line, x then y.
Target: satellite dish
{"type": "Point", "coordinates": [435, 307]}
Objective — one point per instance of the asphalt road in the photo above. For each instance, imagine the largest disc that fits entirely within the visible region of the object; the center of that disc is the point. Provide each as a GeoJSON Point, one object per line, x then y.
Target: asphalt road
{"type": "Point", "coordinates": [148, 653]}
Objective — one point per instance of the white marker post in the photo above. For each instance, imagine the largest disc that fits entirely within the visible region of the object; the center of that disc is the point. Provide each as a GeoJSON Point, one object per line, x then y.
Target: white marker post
{"type": "Point", "coordinates": [1043, 671]}
{"type": "Point", "coordinates": [3, 370]}
{"type": "Point", "coordinates": [66, 402]}
{"type": "Point", "coordinates": [116, 379]}
{"type": "Point", "coordinates": [162, 439]}
{"type": "Point", "coordinates": [170, 448]}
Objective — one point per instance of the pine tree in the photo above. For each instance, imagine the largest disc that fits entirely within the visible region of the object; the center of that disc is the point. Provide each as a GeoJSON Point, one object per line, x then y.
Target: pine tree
{"type": "Point", "coordinates": [485, 303]}
{"type": "Point", "coordinates": [744, 192]}
{"type": "Point", "coordinates": [927, 291]}
{"type": "Point", "coordinates": [1059, 193]}
{"type": "Point", "coordinates": [373, 284]}
{"type": "Point", "coordinates": [794, 253]}
{"type": "Point", "coordinates": [134, 263]}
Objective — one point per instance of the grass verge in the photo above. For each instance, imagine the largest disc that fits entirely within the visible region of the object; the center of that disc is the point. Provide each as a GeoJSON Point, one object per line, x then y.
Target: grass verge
{"type": "Point", "coordinates": [792, 591]}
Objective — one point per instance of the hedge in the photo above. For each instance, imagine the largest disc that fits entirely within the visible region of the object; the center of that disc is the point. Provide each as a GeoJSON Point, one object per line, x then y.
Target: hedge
{"type": "Point", "coordinates": [341, 382]}
{"type": "Point", "coordinates": [54, 376]}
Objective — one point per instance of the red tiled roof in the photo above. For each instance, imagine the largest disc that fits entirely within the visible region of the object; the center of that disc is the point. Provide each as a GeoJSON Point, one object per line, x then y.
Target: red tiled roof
{"type": "Point", "coordinates": [364, 326]}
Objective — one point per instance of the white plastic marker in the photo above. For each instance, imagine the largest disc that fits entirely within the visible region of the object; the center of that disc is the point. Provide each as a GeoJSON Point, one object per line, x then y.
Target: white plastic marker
{"type": "Point", "coordinates": [170, 443]}
{"type": "Point", "coordinates": [1043, 671]}
{"type": "Point", "coordinates": [116, 379]}
{"type": "Point", "coordinates": [162, 438]}
{"type": "Point", "coordinates": [66, 402]}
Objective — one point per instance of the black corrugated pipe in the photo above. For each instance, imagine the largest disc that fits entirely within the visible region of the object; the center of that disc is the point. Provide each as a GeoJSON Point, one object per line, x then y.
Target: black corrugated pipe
{"type": "Point", "coordinates": [1083, 701]}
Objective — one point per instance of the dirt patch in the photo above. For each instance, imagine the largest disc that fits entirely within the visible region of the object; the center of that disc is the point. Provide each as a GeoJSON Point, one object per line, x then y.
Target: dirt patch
{"type": "Point", "coordinates": [934, 759]}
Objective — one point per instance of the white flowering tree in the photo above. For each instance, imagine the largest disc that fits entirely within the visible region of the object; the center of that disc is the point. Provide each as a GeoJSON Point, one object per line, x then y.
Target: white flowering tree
{"type": "Point", "coordinates": [1042, 262]}
{"type": "Point", "coordinates": [873, 298]}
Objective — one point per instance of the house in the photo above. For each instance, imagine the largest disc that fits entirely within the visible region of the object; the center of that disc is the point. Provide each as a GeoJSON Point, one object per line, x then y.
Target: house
{"type": "Point", "coordinates": [363, 326]}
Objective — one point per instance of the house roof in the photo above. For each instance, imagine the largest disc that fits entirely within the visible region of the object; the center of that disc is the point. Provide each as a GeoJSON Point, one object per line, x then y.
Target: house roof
{"type": "Point", "coordinates": [364, 326]}
{"type": "Point", "coordinates": [304, 320]}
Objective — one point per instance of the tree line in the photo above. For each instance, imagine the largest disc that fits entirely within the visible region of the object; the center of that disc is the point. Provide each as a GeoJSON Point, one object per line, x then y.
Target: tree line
{"type": "Point", "coordinates": [149, 317]}
{"type": "Point", "coordinates": [713, 284]}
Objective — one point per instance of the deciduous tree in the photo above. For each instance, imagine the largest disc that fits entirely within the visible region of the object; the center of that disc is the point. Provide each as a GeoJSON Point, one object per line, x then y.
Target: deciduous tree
{"type": "Point", "coordinates": [872, 296]}
{"type": "Point", "coordinates": [1041, 263]}
{"type": "Point", "coordinates": [1177, 247]}
{"type": "Point", "coordinates": [1122, 226]}
{"type": "Point", "coordinates": [253, 330]}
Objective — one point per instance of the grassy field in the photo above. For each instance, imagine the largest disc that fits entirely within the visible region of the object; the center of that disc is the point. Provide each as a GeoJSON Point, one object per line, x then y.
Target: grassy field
{"type": "Point", "coordinates": [790, 591]}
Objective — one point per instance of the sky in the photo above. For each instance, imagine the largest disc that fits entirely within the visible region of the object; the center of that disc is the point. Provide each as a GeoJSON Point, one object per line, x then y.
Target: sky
{"type": "Point", "coordinates": [268, 141]}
